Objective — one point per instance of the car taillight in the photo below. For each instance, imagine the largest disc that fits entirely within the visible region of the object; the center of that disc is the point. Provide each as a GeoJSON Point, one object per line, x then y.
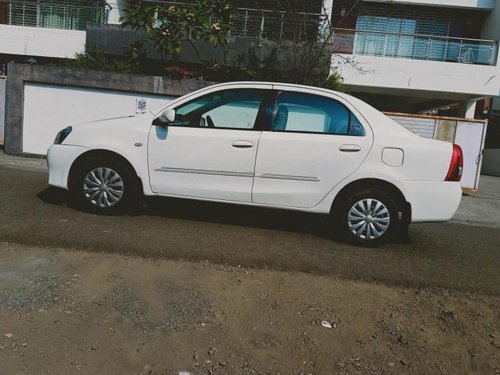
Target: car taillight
{"type": "Point", "coordinates": [456, 165]}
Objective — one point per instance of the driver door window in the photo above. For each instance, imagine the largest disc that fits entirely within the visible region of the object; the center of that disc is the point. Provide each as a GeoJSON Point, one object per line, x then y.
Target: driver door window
{"type": "Point", "coordinates": [231, 109]}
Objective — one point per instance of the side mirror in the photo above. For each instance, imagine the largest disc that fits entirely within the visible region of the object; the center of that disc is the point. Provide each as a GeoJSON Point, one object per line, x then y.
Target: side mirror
{"type": "Point", "coordinates": [168, 116]}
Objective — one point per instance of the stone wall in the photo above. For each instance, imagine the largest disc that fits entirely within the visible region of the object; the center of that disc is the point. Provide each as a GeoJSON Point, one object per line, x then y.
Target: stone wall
{"type": "Point", "coordinates": [2, 107]}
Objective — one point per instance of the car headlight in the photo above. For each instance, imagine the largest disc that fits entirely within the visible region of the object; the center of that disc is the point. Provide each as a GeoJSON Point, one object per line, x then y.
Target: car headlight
{"type": "Point", "coordinates": [62, 135]}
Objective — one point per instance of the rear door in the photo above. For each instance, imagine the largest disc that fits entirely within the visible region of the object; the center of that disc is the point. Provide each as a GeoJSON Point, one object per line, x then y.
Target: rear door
{"type": "Point", "coordinates": [313, 143]}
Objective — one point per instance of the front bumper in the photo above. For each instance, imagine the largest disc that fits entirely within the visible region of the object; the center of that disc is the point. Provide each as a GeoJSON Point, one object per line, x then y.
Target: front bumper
{"type": "Point", "coordinates": [431, 201]}
{"type": "Point", "coordinates": [60, 158]}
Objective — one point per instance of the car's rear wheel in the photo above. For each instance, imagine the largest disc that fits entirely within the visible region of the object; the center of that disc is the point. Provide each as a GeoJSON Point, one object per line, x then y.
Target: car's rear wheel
{"type": "Point", "coordinates": [104, 185]}
{"type": "Point", "coordinates": [368, 217]}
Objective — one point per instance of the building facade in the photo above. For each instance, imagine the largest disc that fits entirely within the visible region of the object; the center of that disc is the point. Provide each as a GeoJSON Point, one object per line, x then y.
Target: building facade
{"type": "Point", "coordinates": [438, 57]}
{"type": "Point", "coordinates": [36, 30]}
{"type": "Point", "coordinates": [429, 54]}
{"type": "Point", "coordinates": [434, 56]}
{"type": "Point", "coordinates": [424, 56]}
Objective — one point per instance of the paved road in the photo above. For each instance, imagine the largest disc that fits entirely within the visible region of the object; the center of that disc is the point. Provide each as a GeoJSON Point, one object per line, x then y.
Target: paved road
{"type": "Point", "coordinates": [450, 255]}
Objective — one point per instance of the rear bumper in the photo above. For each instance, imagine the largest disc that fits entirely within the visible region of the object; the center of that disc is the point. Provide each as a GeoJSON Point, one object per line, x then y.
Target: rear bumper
{"type": "Point", "coordinates": [431, 201]}
{"type": "Point", "coordinates": [60, 158]}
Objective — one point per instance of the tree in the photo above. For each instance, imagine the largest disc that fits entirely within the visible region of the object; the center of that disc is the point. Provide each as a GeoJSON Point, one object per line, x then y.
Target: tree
{"type": "Point", "coordinates": [168, 27]}
{"type": "Point", "coordinates": [297, 46]}
{"type": "Point", "coordinates": [303, 55]}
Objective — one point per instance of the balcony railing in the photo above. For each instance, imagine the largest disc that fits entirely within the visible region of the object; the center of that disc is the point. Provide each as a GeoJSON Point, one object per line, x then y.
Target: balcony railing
{"type": "Point", "coordinates": [271, 24]}
{"type": "Point", "coordinates": [51, 15]}
{"type": "Point", "coordinates": [415, 46]}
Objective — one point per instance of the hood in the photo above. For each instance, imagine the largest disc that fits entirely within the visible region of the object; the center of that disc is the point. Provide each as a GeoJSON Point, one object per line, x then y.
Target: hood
{"type": "Point", "coordinates": [100, 133]}
{"type": "Point", "coordinates": [92, 122]}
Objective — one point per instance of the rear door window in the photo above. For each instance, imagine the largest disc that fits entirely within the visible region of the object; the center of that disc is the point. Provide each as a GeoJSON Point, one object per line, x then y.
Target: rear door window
{"type": "Point", "coordinates": [307, 113]}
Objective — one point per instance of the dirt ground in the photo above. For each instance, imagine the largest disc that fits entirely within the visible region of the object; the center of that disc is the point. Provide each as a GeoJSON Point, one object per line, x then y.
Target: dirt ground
{"type": "Point", "coordinates": [74, 312]}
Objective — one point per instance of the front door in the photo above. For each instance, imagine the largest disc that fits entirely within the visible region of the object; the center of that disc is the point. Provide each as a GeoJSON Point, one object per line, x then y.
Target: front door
{"type": "Point", "coordinates": [314, 143]}
{"type": "Point", "coordinates": [209, 150]}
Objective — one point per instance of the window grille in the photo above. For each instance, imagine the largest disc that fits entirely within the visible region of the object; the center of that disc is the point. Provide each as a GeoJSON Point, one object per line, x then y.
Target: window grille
{"type": "Point", "coordinates": [56, 14]}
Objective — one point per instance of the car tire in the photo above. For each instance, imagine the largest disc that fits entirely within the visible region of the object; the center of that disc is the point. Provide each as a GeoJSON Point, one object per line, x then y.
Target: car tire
{"type": "Point", "coordinates": [103, 185]}
{"type": "Point", "coordinates": [367, 217]}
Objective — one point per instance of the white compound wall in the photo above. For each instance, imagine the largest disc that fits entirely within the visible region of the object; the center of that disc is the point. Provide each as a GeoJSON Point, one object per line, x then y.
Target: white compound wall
{"type": "Point", "coordinates": [49, 108]}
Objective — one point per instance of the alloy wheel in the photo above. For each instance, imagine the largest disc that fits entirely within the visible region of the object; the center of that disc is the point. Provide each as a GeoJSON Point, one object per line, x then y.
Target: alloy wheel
{"type": "Point", "coordinates": [103, 187]}
{"type": "Point", "coordinates": [368, 219]}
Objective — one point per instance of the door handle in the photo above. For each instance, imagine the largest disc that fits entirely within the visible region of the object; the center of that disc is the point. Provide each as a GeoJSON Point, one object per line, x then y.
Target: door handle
{"type": "Point", "coordinates": [242, 144]}
{"type": "Point", "coordinates": [350, 148]}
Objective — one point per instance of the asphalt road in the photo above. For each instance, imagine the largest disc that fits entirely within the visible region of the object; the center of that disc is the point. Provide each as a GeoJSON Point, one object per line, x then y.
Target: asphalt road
{"type": "Point", "coordinates": [449, 255]}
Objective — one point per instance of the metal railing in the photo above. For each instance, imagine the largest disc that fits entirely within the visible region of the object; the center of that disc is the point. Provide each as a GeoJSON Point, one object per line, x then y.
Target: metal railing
{"type": "Point", "coordinates": [251, 23]}
{"type": "Point", "coordinates": [272, 24]}
{"type": "Point", "coordinates": [269, 24]}
{"type": "Point", "coordinates": [415, 46]}
{"type": "Point", "coordinates": [51, 15]}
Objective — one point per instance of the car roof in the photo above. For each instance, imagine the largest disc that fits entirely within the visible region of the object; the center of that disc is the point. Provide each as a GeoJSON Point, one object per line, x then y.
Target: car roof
{"type": "Point", "coordinates": [281, 84]}
{"type": "Point", "coordinates": [259, 85]}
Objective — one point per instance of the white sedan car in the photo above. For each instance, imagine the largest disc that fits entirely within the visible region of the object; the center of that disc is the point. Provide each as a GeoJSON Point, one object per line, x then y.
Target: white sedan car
{"type": "Point", "coordinates": [270, 145]}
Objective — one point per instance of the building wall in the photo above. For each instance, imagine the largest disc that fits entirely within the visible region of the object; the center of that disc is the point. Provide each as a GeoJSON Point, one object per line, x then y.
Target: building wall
{"type": "Point", "coordinates": [491, 161]}
{"type": "Point", "coordinates": [114, 40]}
{"type": "Point", "coordinates": [425, 74]}
{"type": "Point", "coordinates": [452, 80]}
{"type": "Point", "coordinates": [491, 28]}
{"type": "Point", "coordinates": [33, 41]}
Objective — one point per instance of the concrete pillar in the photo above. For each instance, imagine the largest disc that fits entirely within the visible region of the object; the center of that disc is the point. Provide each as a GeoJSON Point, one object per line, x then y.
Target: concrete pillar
{"type": "Point", "coordinates": [116, 10]}
{"type": "Point", "coordinates": [491, 30]}
{"type": "Point", "coordinates": [327, 9]}
{"type": "Point", "coordinates": [467, 109]}
{"type": "Point", "coordinates": [496, 103]}
{"type": "Point", "coordinates": [326, 12]}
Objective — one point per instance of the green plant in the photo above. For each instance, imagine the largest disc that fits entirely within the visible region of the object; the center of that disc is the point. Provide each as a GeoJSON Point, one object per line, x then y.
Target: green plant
{"type": "Point", "coordinates": [284, 63]}
{"type": "Point", "coordinates": [133, 61]}
{"type": "Point", "coordinates": [335, 82]}
{"type": "Point", "coordinates": [303, 56]}
{"type": "Point", "coordinates": [167, 27]}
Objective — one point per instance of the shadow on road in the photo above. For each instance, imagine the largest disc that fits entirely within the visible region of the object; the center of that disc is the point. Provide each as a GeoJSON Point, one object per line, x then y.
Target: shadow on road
{"type": "Point", "coordinates": [230, 214]}
{"type": "Point", "coordinates": [214, 212]}
{"type": "Point", "coordinates": [54, 196]}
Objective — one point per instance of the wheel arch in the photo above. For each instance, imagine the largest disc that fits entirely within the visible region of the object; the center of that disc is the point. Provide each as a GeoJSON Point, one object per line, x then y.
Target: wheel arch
{"type": "Point", "coordinates": [101, 153]}
{"type": "Point", "coordinates": [403, 205]}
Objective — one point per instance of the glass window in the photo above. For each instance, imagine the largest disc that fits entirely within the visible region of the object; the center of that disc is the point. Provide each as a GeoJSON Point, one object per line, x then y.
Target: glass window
{"type": "Point", "coordinates": [230, 109]}
{"type": "Point", "coordinates": [356, 127]}
{"type": "Point", "coordinates": [58, 14]}
{"type": "Point", "coordinates": [385, 36]}
{"type": "Point", "coordinates": [297, 112]}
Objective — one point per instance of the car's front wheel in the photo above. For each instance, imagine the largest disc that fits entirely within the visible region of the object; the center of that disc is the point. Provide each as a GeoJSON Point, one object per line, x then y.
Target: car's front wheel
{"type": "Point", "coordinates": [368, 217]}
{"type": "Point", "coordinates": [104, 186]}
